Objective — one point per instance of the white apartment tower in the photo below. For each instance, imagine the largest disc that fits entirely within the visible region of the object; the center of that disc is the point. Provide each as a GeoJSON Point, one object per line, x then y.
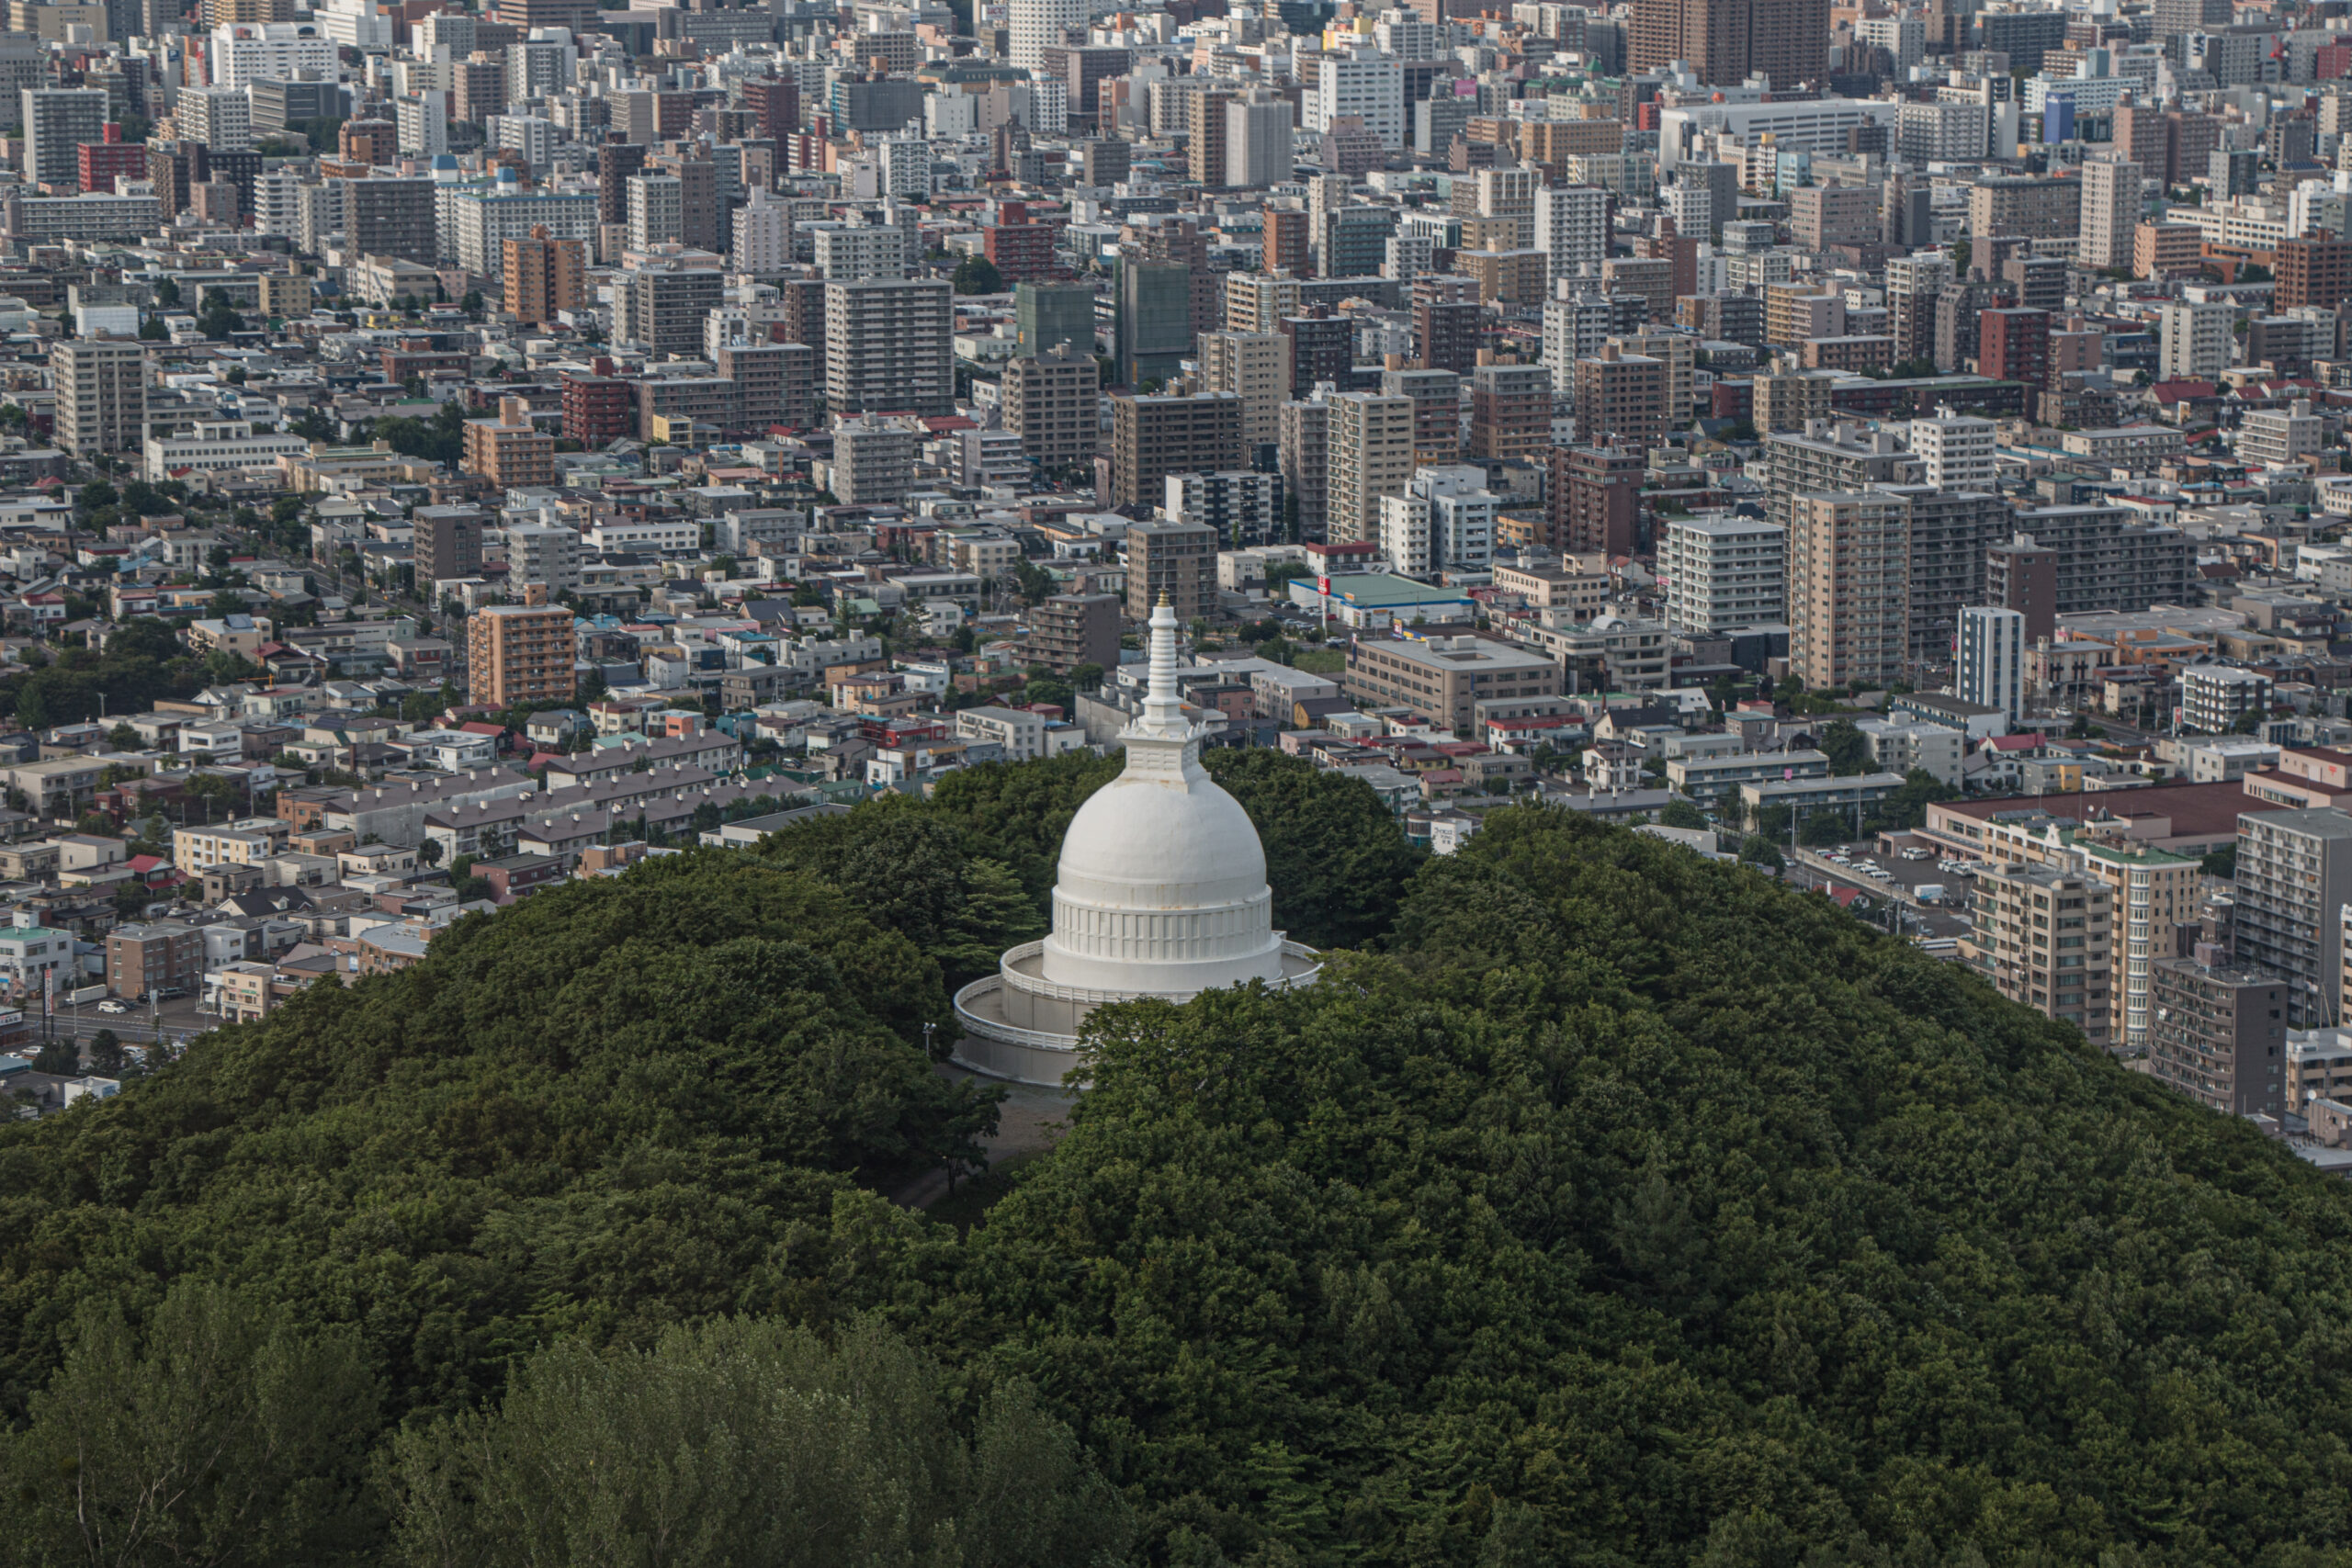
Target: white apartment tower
{"type": "Point", "coordinates": [2111, 208]}
{"type": "Point", "coordinates": [283, 51]}
{"type": "Point", "coordinates": [657, 209]}
{"type": "Point", "coordinates": [763, 234]}
{"type": "Point", "coordinates": [1257, 141]}
{"type": "Point", "coordinates": [1371, 455]}
{"type": "Point", "coordinates": [1992, 659]}
{"type": "Point", "coordinates": [1035, 24]}
{"type": "Point", "coordinates": [423, 123]}
{"type": "Point", "coordinates": [101, 394]}
{"type": "Point", "coordinates": [1956, 451]}
{"type": "Point", "coordinates": [1360, 81]}
{"type": "Point", "coordinates": [1572, 230]}
{"type": "Point", "coordinates": [1255, 367]}
{"type": "Point", "coordinates": [221, 118]}
{"type": "Point", "coordinates": [2194, 341]}
{"type": "Point", "coordinates": [846, 254]}
{"type": "Point", "coordinates": [1722, 573]}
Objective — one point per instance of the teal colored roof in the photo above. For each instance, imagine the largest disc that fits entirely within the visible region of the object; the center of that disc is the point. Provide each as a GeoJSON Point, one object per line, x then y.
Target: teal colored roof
{"type": "Point", "coordinates": [1373, 590]}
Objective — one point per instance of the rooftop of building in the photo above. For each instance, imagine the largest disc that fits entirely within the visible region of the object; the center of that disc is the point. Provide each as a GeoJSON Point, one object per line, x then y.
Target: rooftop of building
{"type": "Point", "coordinates": [2196, 810]}
{"type": "Point", "coordinates": [1460, 653]}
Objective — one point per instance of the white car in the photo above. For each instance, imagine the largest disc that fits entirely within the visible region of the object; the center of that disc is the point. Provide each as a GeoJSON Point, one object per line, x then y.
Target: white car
{"type": "Point", "coordinates": [112, 1006]}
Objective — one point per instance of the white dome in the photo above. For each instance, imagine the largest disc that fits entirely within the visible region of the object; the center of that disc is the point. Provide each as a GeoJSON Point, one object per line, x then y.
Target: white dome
{"type": "Point", "coordinates": [1163, 844]}
{"type": "Point", "coordinates": [1161, 892]}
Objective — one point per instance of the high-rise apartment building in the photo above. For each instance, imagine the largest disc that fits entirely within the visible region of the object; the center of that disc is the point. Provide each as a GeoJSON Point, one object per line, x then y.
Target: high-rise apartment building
{"type": "Point", "coordinates": [448, 545]}
{"type": "Point", "coordinates": [2294, 876]}
{"type": "Point", "coordinates": [517, 654]}
{"type": "Point", "coordinates": [1258, 143]}
{"type": "Point", "coordinates": [1370, 455]}
{"type": "Point", "coordinates": [1511, 410]}
{"type": "Point", "coordinates": [1913, 285]}
{"type": "Point", "coordinates": [1726, 42]}
{"type": "Point", "coordinates": [1572, 230]}
{"type": "Point", "coordinates": [1448, 321]}
{"type": "Point", "coordinates": [1621, 397]}
{"type": "Point", "coordinates": [2014, 345]}
{"type": "Point", "coordinates": [1053, 402]}
{"type": "Point", "coordinates": [56, 121]}
{"type": "Point", "coordinates": [101, 394]}
{"type": "Point", "coordinates": [874, 459]}
{"type": "Point", "coordinates": [2104, 560]}
{"type": "Point", "coordinates": [509, 451]}
{"type": "Point", "coordinates": [1956, 452]}
{"type": "Point", "coordinates": [2022, 575]}
{"type": "Point", "coordinates": [392, 218]}
{"type": "Point", "coordinates": [2152, 893]}
{"type": "Point", "coordinates": [1722, 573]}
{"type": "Point", "coordinates": [1256, 367]}
{"type": "Point", "coordinates": [1070, 629]}
{"type": "Point", "coordinates": [221, 118]}
{"type": "Point", "coordinates": [1045, 314]}
{"type": "Point", "coordinates": [1176, 561]}
{"type": "Point", "coordinates": [544, 276]}
{"type": "Point", "coordinates": [866, 250]}
{"type": "Point", "coordinates": [1849, 590]}
{"type": "Point", "coordinates": [1037, 25]}
{"type": "Point", "coordinates": [2220, 1033]}
{"type": "Point", "coordinates": [667, 298]}
{"type": "Point", "coordinates": [1244, 505]}
{"type": "Point", "coordinates": [2315, 272]}
{"type": "Point", "coordinates": [889, 346]}
{"type": "Point", "coordinates": [1795, 464]}
{"type": "Point", "coordinates": [1204, 137]}
{"type": "Point", "coordinates": [1437, 410]}
{"type": "Point", "coordinates": [1286, 242]}
{"type": "Point", "coordinates": [1364, 82]}
{"type": "Point", "coordinates": [1595, 505]}
{"type": "Point", "coordinates": [2193, 341]}
{"type": "Point", "coordinates": [1152, 438]}
{"type": "Point", "coordinates": [543, 554]}
{"type": "Point", "coordinates": [2111, 208]}
{"type": "Point", "coordinates": [1303, 457]}
{"type": "Point", "coordinates": [2045, 935]}
{"type": "Point", "coordinates": [1992, 659]}
{"type": "Point", "coordinates": [1949, 531]}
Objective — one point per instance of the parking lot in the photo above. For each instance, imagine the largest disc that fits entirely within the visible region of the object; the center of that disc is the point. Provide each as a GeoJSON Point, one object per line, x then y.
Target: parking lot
{"type": "Point", "coordinates": [1946, 917]}
{"type": "Point", "coordinates": [177, 1021]}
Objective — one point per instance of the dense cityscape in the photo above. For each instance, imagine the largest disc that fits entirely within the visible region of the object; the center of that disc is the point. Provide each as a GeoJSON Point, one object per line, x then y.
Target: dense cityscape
{"type": "Point", "coordinates": [1502, 783]}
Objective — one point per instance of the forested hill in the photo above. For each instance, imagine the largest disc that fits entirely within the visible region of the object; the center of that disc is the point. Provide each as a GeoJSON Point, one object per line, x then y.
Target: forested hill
{"type": "Point", "coordinates": [1606, 1206]}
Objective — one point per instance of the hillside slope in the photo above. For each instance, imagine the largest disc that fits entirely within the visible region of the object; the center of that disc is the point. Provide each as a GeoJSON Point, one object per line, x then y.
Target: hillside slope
{"type": "Point", "coordinates": [1635, 1210]}
{"type": "Point", "coordinates": [1605, 1206]}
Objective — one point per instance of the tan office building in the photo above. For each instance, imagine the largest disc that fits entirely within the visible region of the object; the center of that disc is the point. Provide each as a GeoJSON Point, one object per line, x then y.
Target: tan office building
{"type": "Point", "coordinates": [1154, 437]}
{"type": "Point", "coordinates": [1174, 560]}
{"type": "Point", "coordinates": [517, 654]}
{"type": "Point", "coordinates": [1849, 589]}
{"type": "Point", "coordinates": [2045, 937]}
{"type": "Point", "coordinates": [1446, 678]}
{"type": "Point", "coordinates": [1370, 455]}
{"type": "Point", "coordinates": [1054, 403]}
{"type": "Point", "coordinates": [1256, 367]}
{"type": "Point", "coordinates": [101, 394]}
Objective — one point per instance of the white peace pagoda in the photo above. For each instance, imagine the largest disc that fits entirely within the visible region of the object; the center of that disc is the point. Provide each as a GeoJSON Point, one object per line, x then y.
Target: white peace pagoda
{"type": "Point", "coordinates": [1161, 892]}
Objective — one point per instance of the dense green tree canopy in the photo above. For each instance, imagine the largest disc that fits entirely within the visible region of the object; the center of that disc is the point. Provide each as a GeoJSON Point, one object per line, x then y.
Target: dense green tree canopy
{"type": "Point", "coordinates": [1606, 1205]}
